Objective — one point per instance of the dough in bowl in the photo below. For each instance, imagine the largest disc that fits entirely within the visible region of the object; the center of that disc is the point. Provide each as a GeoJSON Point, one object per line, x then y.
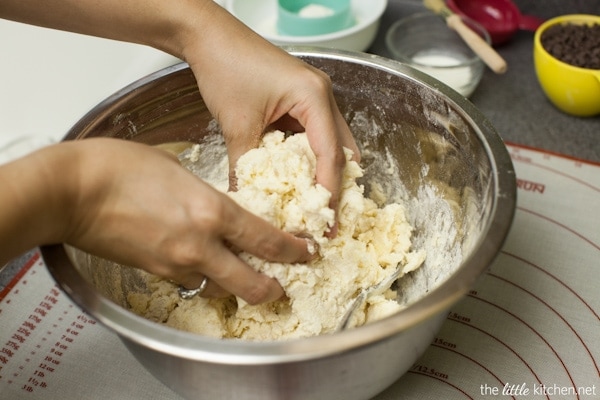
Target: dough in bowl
{"type": "Point", "coordinates": [277, 182]}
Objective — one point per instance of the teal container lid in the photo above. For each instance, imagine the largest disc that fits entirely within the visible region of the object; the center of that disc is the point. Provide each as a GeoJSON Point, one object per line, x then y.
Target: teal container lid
{"type": "Point", "coordinates": [313, 17]}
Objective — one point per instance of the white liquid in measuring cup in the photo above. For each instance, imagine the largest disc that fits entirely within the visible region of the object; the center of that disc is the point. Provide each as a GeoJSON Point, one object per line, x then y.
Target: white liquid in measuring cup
{"type": "Point", "coordinates": [446, 68]}
{"type": "Point", "coordinates": [315, 11]}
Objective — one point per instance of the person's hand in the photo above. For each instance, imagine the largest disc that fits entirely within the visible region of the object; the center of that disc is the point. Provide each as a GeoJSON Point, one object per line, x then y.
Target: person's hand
{"type": "Point", "coordinates": [250, 85]}
{"type": "Point", "coordinates": [138, 206]}
{"type": "Point", "coordinates": [176, 228]}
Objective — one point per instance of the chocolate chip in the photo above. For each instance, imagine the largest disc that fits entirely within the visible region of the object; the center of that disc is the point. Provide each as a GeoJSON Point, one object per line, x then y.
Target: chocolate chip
{"type": "Point", "coordinates": [577, 45]}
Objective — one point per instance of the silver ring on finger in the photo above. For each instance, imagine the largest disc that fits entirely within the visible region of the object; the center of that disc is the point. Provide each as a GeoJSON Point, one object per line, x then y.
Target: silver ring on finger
{"type": "Point", "coordinates": [187, 294]}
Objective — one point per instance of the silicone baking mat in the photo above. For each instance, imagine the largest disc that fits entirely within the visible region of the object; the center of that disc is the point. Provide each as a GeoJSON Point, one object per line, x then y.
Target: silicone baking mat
{"type": "Point", "coordinates": [530, 329]}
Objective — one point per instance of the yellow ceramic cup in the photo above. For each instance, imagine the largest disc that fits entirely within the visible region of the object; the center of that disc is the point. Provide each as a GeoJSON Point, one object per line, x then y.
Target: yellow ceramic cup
{"type": "Point", "coordinates": [573, 90]}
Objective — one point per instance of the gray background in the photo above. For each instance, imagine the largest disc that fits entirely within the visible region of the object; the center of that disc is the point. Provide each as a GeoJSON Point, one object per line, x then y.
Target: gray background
{"type": "Point", "coordinates": [514, 101]}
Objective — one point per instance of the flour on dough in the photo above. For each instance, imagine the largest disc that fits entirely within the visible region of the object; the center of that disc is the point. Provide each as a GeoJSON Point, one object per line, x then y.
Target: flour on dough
{"type": "Point", "coordinates": [277, 182]}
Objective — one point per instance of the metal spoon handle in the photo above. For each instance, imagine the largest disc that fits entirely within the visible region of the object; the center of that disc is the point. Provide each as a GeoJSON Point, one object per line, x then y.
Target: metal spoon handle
{"type": "Point", "coordinates": [365, 294]}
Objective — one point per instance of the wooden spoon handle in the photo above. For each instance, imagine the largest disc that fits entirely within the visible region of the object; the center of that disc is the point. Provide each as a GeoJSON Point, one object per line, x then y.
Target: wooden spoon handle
{"type": "Point", "coordinates": [477, 44]}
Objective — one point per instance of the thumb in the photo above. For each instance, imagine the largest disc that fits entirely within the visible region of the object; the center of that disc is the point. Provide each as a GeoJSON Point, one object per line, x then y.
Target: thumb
{"type": "Point", "coordinates": [238, 143]}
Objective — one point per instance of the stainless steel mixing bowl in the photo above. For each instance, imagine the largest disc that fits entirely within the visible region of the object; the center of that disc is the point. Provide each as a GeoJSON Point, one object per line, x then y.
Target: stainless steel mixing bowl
{"type": "Point", "coordinates": [448, 165]}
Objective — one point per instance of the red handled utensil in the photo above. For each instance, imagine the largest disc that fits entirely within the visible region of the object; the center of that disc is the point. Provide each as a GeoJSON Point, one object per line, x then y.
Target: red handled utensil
{"type": "Point", "coordinates": [501, 18]}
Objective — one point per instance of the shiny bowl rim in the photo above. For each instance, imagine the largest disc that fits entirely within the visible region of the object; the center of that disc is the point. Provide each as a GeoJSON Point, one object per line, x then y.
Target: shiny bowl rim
{"type": "Point", "coordinates": [238, 352]}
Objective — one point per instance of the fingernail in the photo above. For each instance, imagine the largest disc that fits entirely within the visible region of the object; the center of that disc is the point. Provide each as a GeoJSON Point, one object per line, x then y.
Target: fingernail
{"type": "Point", "coordinates": [332, 233]}
{"type": "Point", "coordinates": [312, 246]}
{"type": "Point", "coordinates": [276, 294]}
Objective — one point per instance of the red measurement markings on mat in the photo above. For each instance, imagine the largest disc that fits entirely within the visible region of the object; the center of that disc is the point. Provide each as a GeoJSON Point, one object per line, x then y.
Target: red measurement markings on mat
{"type": "Point", "coordinates": [540, 161]}
{"type": "Point", "coordinates": [530, 186]}
{"type": "Point", "coordinates": [52, 359]}
{"type": "Point", "coordinates": [27, 328]}
{"type": "Point", "coordinates": [50, 325]}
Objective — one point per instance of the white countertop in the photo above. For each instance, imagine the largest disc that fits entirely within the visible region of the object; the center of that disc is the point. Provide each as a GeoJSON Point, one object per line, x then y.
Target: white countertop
{"type": "Point", "coordinates": [50, 79]}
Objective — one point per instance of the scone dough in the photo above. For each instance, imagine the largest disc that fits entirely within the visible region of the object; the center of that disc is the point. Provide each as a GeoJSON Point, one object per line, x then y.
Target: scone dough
{"type": "Point", "coordinates": [277, 182]}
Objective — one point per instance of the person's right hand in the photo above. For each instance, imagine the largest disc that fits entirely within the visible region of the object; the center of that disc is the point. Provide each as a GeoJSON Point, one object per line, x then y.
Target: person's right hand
{"type": "Point", "coordinates": [250, 85]}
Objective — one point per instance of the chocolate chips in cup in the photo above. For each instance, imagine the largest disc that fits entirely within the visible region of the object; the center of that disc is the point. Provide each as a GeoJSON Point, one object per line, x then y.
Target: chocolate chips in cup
{"type": "Point", "coordinates": [577, 45]}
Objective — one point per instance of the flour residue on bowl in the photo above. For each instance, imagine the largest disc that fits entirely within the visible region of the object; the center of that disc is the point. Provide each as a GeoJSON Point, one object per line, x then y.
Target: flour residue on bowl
{"type": "Point", "coordinates": [442, 213]}
{"type": "Point", "coordinates": [276, 181]}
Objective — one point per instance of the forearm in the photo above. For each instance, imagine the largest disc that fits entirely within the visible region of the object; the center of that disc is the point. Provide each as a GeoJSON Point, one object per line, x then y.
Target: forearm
{"type": "Point", "coordinates": [157, 23]}
{"type": "Point", "coordinates": [34, 197]}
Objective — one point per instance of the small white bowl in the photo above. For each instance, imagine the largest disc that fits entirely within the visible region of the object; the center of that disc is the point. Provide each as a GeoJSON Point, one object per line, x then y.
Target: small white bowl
{"type": "Point", "coordinates": [261, 16]}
